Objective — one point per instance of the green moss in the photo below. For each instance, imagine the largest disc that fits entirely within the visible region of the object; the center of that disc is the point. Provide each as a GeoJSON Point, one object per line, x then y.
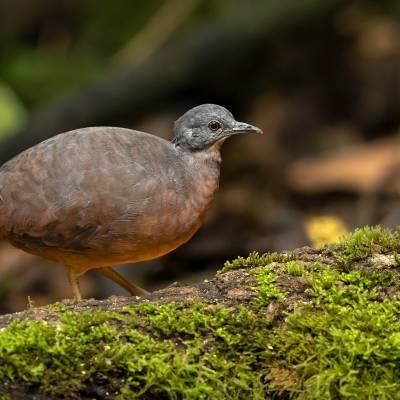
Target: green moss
{"type": "Point", "coordinates": [389, 278]}
{"type": "Point", "coordinates": [57, 307]}
{"type": "Point", "coordinates": [255, 260]}
{"type": "Point", "coordinates": [366, 241]}
{"type": "Point", "coordinates": [59, 357]}
{"type": "Point", "coordinates": [345, 343]}
{"type": "Point", "coordinates": [206, 354]}
{"type": "Point", "coordinates": [265, 285]}
{"type": "Point", "coordinates": [187, 351]}
{"type": "Point", "coordinates": [294, 268]}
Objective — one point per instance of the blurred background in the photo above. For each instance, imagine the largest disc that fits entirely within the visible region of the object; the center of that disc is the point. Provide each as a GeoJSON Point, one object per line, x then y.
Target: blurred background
{"type": "Point", "coordinates": [320, 77]}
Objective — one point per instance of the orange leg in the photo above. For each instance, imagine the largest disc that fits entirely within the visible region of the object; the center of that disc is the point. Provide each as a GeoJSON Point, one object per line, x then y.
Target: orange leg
{"type": "Point", "coordinates": [120, 280]}
{"type": "Point", "coordinates": [73, 279]}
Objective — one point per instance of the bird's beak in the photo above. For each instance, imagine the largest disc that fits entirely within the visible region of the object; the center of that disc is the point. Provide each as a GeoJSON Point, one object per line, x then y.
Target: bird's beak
{"type": "Point", "coordinates": [241, 127]}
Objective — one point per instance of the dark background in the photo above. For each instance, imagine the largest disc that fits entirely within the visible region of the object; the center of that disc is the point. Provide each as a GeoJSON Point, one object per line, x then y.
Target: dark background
{"type": "Point", "coordinates": [320, 77]}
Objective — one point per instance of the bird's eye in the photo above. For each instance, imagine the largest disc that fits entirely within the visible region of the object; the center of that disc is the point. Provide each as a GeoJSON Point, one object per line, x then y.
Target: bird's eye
{"type": "Point", "coordinates": [214, 125]}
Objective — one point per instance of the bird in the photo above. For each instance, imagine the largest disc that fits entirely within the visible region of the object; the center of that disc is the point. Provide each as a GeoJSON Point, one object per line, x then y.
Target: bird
{"type": "Point", "coordinates": [97, 197]}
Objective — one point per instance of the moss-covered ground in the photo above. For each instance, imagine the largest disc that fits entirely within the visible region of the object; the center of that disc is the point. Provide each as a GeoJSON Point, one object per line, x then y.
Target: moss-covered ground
{"type": "Point", "coordinates": [302, 325]}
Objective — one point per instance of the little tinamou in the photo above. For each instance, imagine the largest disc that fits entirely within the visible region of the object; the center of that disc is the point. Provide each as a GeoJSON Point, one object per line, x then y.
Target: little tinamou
{"type": "Point", "coordinates": [97, 197]}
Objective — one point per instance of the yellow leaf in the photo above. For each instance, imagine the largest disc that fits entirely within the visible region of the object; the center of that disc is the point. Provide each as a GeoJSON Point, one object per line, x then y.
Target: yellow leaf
{"type": "Point", "coordinates": [324, 229]}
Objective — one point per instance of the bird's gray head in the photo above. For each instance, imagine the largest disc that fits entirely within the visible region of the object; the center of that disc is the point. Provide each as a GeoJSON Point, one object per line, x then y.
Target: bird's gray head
{"type": "Point", "coordinates": [204, 125]}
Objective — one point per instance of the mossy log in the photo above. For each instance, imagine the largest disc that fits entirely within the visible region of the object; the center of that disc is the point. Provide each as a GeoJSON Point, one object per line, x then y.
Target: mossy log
{"type": "Point", "coordinates": [305, 324]}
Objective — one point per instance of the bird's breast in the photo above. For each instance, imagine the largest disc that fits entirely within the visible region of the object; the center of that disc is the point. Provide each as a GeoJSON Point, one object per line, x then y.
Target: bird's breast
{"type": "Point", "coordinates": [177, 211]}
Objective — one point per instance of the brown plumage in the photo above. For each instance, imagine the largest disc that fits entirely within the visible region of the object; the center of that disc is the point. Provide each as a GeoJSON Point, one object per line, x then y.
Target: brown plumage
{"type": "Point", "coordinates": [96, 197]}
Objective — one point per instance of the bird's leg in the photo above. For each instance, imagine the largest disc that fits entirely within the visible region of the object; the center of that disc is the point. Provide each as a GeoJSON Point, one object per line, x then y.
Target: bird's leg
{"type": "Point", "coordinates": [74, 283]}
{"type": "Point", "coordinates": [120, 280]}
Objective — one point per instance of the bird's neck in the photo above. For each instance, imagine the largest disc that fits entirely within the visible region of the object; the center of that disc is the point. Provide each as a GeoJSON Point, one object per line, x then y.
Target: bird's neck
{"type": "Point", "coordinates": [203, 169]}
{"type": "Point", "coordinates": [208, 158]}
{"type": "Point", "coordinates": [211, 156]}
{"type": "Point", "coordinates": [205, 165]}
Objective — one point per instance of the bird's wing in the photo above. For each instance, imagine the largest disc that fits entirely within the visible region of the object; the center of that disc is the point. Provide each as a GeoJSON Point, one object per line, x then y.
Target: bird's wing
{"type": "Point", "coordinates": [72, 188]}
